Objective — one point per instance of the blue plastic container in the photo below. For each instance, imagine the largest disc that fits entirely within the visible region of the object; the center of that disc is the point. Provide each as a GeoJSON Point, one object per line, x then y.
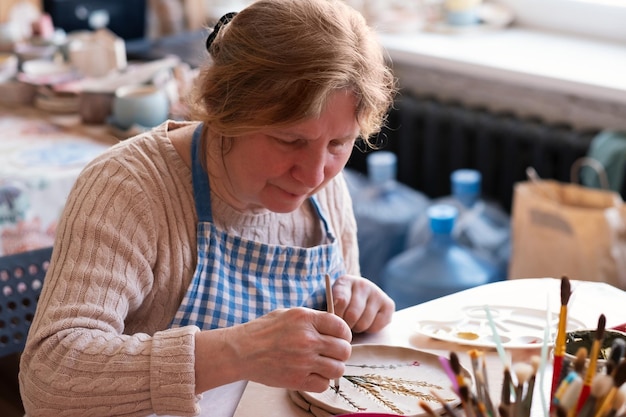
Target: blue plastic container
{"type": "Point", "coordinates": [481, 225]}
{"type": "Point", "coordinates": [384, 210]}
{"type": "Point", "coordinates": [437, 268]}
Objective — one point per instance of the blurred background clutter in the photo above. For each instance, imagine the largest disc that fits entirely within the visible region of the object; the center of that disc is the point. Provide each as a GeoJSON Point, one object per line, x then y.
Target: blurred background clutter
{"type": "Point", "coordinates": [491, 87]}
{"type": "Point", "coordinates": [488, 89]}
{"type": "Point", "coordinates": [70, 56]}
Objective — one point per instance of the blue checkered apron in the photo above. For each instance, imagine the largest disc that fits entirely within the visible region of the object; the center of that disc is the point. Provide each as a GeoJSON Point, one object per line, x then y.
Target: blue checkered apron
{"type": "Point", "coordinates": [237, 280]}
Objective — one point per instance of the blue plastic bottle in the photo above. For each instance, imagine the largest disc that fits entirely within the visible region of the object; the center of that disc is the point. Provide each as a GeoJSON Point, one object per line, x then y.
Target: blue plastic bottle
{"type": "Point", "coordinates": [384, 210]}
{"type": "Point", "coordinates": [437, 268]}
{"type": "Point", "coordinates": [481, 225]}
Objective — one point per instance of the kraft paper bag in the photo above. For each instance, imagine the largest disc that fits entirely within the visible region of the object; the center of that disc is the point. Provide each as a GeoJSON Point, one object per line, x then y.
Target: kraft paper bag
{"type": "Point", "coordinates": [566, 229]}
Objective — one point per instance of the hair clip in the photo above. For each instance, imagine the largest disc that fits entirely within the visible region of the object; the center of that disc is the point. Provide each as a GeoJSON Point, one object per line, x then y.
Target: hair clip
{"type": "Point", "coordinates": [223, 21]}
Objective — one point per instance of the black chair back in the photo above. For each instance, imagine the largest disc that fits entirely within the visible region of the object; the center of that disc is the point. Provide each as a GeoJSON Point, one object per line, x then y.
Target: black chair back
{"type": "Point", "coordinates": [21, 279]}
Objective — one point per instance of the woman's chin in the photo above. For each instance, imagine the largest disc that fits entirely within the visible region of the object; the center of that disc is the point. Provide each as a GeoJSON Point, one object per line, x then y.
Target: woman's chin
{"type": "Point", "coordinates": [282, 208]}
{"type": "Point", "coordinates": [286, 203]}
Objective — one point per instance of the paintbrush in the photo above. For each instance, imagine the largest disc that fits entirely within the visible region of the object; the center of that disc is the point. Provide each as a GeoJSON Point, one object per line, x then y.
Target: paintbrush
{"type": "Point", "coordinates": [467, 402]}
{"type": "Point", "coordinates": [455, 365]}
{"type": "Point", "coordinates": [569, 398]}
{"type": "Point", "coordinates": [523, 372]}
{"type": "Point", "coordinates": [559, 411]}
{"type": "Point", "coordinates": [526, 405]}
{"type": "Point", "coordinates": [505, 395]}
{"type": "Point", "coordinates": [619, 377]}
{"type": "Point", "coordinates": [593, 361]}
{"type": "Point", "coordinates": [445, 364]}
{"type": "Point", "coordinates": [563, 386]}
{"type": "Point", "coordinates": [543, 393]}
{"type": "Point", "coordinates": [484, 373]}
{"type": "Point", "coordinates": [474, 355]}
{"type": "Point", "coordinates": [618, 403]}
{"type": "Point", "coordinates": [566, 395]}
{"type": "Point", "coordinates": [559, 345]}
{"type": "Point", "coordinates": [444, 403]}
{"type": "Point", "coordinates": [579, 362]}
{"type": "Point", "coordinates": [496, 337]}
{"type": "Point", "coordinates": [499, 347]}
{"type": "Point", "coordinates": [482, 396]}
{"type": "Point", "coordinates": [566, 364]}
{"type": "Point", "coordinates": [617, 351]}
{"type": "Point", "coordinates": [427, 408]}
{"type": "Point", "coordinates": [572, 376]}
{"type": "Point", "coordinates": [600, 386]}
{"type": "Point", "coordinates": [464, 393]}
{"type": "Point", "coordinates": [488, 404]}
{"type": "Point", "coordinates": [330, 307]}
{"type": "Point", "coordinates": [504, 411]}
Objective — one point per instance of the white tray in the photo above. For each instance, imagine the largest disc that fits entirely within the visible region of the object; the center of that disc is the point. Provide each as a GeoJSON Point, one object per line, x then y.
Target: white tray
{"type": "Point", "coordinates": [517, 327]}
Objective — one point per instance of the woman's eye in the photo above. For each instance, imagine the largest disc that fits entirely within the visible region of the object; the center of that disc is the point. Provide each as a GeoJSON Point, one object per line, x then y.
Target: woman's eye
{"type": "Point", "coordinates": [289, 142]}
{"type": "Point", "coordinates": [340, 145]}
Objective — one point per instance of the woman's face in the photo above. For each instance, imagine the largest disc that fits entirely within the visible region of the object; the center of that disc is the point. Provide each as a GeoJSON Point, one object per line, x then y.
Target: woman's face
{"type": "Point", "coordinates": [278, 169]}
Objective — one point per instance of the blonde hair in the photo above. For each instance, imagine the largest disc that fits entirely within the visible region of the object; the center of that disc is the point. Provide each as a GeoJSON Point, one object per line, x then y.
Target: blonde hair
{"type": "Point", "coordinates": [278, 61]}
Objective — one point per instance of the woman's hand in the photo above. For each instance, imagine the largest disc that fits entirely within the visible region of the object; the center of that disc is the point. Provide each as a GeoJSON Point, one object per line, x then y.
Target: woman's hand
{"type": "Point", "coordinates": [296, 348]}
{"type": "Point", "coordinates": [362, 304]}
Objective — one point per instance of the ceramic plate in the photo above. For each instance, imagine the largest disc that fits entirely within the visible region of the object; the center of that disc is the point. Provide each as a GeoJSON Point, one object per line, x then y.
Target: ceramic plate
{"type": "Point", "coordinates": [387, 379]}
{"type": "Point", "coordinates": [517, 327]}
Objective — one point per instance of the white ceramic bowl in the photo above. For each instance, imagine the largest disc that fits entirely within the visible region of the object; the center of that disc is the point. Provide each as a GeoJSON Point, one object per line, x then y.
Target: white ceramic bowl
{"type": "Point", "coordinates": [143, 105]}
{"type": "Point", "coordinates": [43, 68]}
{"type": "Point", "coordinates": [26, 51]}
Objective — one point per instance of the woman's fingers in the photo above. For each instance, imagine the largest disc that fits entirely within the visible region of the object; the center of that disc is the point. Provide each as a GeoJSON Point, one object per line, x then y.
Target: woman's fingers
{"type": "Point", "coordinates": [362, 304]}
{"type": "Point", "coordinates": [294, 348]}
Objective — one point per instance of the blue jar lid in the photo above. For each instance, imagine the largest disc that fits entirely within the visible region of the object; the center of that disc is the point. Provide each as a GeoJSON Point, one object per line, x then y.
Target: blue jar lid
{"type": "Point", "coordinates": [442, 217]}
{"type": "Point", "coordinates": [381, 166]}
{"type": "Point", "coordinates": [466, 181]}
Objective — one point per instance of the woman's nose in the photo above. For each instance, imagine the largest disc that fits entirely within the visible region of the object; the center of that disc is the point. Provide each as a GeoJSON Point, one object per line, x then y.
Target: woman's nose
{"type": "Point", "coordinates": [309, 169]}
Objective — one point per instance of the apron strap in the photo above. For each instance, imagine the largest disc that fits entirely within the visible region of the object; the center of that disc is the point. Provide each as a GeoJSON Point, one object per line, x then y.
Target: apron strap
{"type": "Point", "coordinates": [201, 188]}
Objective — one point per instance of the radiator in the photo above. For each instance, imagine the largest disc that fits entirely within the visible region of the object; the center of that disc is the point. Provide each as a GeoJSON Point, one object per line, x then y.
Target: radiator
{"type": "Point", "coordinates": [433, 138]}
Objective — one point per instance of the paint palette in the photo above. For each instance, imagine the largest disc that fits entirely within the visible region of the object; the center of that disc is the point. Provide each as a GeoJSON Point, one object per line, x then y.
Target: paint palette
{"type": "Point", "coordinates": [517, 327]}
{"type": "Point", "coordinates": [389, 380]}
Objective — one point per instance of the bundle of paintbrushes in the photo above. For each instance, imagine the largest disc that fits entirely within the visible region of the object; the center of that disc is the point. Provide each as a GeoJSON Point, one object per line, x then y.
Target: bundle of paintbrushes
{"type": "Point", "coordinates": [579, 386]}
{"type": "Point", "coordinates": [476, 401]}
{"type": "Point", "coordinates": [603, 396]}
{"type": "Point", "coordinates": [586, 390]}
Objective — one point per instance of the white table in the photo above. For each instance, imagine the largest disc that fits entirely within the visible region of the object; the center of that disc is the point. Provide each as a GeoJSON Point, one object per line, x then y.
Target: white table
{"type": "Point", "coordinates": [40, 159]}
{"type": "Point", "coordinates": [588, 301]}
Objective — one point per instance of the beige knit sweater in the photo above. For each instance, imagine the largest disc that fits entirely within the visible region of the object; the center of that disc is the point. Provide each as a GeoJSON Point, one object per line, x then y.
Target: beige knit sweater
{"type": "Point", "coordinates": [124, 255]}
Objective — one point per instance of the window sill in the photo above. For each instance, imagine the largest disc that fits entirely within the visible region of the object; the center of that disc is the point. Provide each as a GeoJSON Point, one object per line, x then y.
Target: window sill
{"type": "Point", "coordinates": [575, 69]}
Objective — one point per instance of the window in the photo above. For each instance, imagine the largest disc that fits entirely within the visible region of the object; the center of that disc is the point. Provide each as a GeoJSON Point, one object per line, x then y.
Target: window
{"type": "Point", "coordinates": [603, 19]}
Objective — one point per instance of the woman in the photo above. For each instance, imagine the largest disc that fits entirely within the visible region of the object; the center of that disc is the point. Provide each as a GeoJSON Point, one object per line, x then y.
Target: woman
{"type": "Point", "coordinates": [193, 256]}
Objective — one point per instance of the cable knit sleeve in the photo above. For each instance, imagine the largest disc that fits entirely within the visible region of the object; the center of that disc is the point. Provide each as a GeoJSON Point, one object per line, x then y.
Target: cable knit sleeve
{"type": "Point", "coordinates": [123, 256]}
